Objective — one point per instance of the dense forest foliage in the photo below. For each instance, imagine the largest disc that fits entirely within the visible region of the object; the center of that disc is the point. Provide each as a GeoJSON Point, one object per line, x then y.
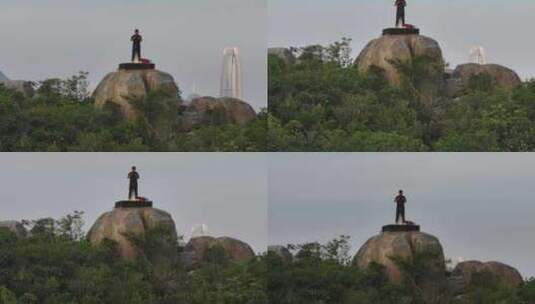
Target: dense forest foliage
{"type": "Point", "coordinates": [57, 265]}
{"type": "Point", "coordinates": [61, 117]}
{"type": "Point", "coordinates": [321, 274]}
{"type": "Point", "coordinates": [323, 103]}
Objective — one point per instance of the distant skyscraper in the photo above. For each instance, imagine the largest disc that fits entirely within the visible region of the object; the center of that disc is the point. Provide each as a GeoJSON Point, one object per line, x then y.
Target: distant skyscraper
{"type": "Point", "coordinates": [477, 55]}
{"type": "Point", "coordinates": [3, 77]}
{"type": "Point", "coordinates": [199, 231]}
{"type": "Point", "coordinates": [231, 77]}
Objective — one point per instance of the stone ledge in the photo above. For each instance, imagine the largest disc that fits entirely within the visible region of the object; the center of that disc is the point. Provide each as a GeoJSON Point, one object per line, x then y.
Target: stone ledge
{"type": "Point", "coordinates": [401, 31]}
{"type": "Point", "coordinates": [133, 204]}
{"type": "Point", "coordinates": [401, 228]}
{"type": "Point", "coordinates": [137, 66]}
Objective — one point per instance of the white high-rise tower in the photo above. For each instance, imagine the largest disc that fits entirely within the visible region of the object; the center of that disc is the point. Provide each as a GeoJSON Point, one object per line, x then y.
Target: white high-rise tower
{"type": "Point", "coordinates": [199, 231]}
{"type": "Point", "coordinates": [3, 77]}
{"type": "Point", "coordinates": [477, 55]}
{"type": "Point", "coordinates": [231, 77]}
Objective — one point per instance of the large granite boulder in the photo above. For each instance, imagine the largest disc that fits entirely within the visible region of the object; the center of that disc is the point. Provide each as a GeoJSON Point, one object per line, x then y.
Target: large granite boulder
{"type": "Point", "coordinates": [210, 110]}
{"type": "Point", "coordinates": [501, 77]}
{"type": "Point", "coordinates": [194, 252]}
{"type": "Point", "coordinates": [124, 86]}
{"type": "Point", "coordinates": [122, 223]}
{"type": "Point", "coordinates": [16, 227]}
{"type": "Point", "coordinates": [283, 54]}
{"type": "Point", "coordinates": [505, 274]}
{"type": "Point", "coordinates": [387, 246]}
{"type": "Point", "coordinates": [381, 53]}
{"type": "Point", "coordinates": [281, 252]}
{"type": "Point", "coordinates": [22, 86]}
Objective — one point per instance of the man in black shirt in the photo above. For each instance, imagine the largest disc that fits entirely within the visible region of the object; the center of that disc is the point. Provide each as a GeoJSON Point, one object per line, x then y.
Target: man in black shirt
{"type": "Point", "coordinates": [400, 210]}
{"type": "Point", "coordinates": [133, 176]}
{"type": "Point", "coordinates": [136, 46]}
{"type": "Point", "coordinates": [400, 15]}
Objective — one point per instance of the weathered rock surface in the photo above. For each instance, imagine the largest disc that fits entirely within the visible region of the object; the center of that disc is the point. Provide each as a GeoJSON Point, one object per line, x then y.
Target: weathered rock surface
{"type": "Point", "coordinates": [281, 251]}
{"type": "Point", "coordinates": [381, 52]}
{"type": "Point", "coordinates": [125, 85]}
{"type": "Point", "coordinates": [501, 77]}
{"type": "Point", "coordinates": [194, 252]}
{"type": "Point", "coordinates": [382, 248]}
{"type": "Point", "coordinates": [15, 227]}
{"type": "Point", "coordinates": [507, 275]}
{"type": "Point", "coordinates": [284, 54]}
{"type": "Point", "coordinates": [118, 224]}
{"type": "Point", "coordinates": [406, 245]}
{"type": "Point", "coordinates": [22, 86]}
{"type": "Point", "coordinates": [210, 110]}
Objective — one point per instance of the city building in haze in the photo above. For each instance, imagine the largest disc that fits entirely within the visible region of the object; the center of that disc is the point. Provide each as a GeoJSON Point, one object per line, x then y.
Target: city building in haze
{"type": "Point", "coordinates": [3, 77]}
{"type": "Point", "coordinates": [231, 76]}
{"type": "Point", "coordinates": [199, 231]}
{"type": "Point", "coordinates": [477, 55]}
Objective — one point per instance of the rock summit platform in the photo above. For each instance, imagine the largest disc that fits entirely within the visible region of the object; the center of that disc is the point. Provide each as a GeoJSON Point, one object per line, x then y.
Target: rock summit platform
{"type": "Point", "coordinates": [401, 31]}
{"type": "Point", "coordinates": [137, 66]}
{"type": "Point", "coordinates": [133, 204]}
{"type": "Point", "coordinates": [401, 228]}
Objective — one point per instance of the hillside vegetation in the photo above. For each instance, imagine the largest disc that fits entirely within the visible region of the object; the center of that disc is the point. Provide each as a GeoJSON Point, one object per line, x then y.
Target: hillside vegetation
{"type": "Point", "coordinates": [323, 103]}
{"type": "Point", "coordinates": [323, 273]}
{"type": "Point", "coordinates": [61, 117]}
{"type": "Point", "coordinates": [57, 265]}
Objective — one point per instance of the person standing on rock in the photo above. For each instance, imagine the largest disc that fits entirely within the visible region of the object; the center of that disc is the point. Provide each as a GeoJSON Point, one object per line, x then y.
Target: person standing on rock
{"type": "Point", "coordinates": [400, 209]}
{"type": "Point", "coordinates": [136, 46]}
{"type": "Point", "coordinates": [400, 15]}
{"type": "Point", "coordinates": [133, 176]}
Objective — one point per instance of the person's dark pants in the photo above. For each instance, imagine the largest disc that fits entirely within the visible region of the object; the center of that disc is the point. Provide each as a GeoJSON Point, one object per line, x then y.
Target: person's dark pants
{"type": "Point", "coordinates": [400, 18]}
{"type": "Point", "coordinates": [400, 212]}
{"type": "Point", "coordinates": [132, 190]}
{"type": "Point", "coordinates": [136, 52]}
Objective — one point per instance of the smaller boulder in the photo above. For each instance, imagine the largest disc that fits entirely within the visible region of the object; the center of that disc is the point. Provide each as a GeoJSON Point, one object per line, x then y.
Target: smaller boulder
{"type": "Point", "coordinates": [217, 111]}
{"type": "Point", "coordinates": [281, 252]}
{"type": "Point", "coordinates": [16, 227]}
{"type": "Point", "coordinates": [194, 252]}
{"type": "Point", "coordinates": [507, 275]}
{"type": "Point", "coordinates": [283, 54]}
{"type": "Point", "coordinates": [501, 77]}
{"type": "Point", "coordinates": [21, 86]}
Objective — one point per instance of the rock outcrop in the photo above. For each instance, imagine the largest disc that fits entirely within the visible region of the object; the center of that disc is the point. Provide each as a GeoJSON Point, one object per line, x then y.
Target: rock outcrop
{"type": "Point", "coordinates": [381, 249]}
{"type": "Point", "coordinates": [16, 227]}
{"type": "Point", "coordinates": [505, 274]}
{"type": "Point", "coordinates": [218, 111]}
{"type": "Point", "coordinates": [123, 86]}
{"type": "Point", "coordinates": [283, 54]}
{"type": "Point", "coordinates": [194, 253]}
{"type": "Point", "coordinates": [281, 251]}
{"type": "Point", "coordinates": [500, 76]}
{"type": "Point", "coordinates": [381, 53]}
{"type": "Point", "coordinates": [22, 86]}
{"type": "Point", "coordinates": [121, 223]}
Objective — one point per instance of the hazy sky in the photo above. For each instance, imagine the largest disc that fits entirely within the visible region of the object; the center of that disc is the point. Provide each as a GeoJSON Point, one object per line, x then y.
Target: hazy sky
{"type": "Point", "coordinates": [57, 38]}
{"type": "Point", "coordinates": [227, 192]}
{"type": "Point", "coordinates": [503, 28]}
{"type": "Point", "coordinates": [480, 206]}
